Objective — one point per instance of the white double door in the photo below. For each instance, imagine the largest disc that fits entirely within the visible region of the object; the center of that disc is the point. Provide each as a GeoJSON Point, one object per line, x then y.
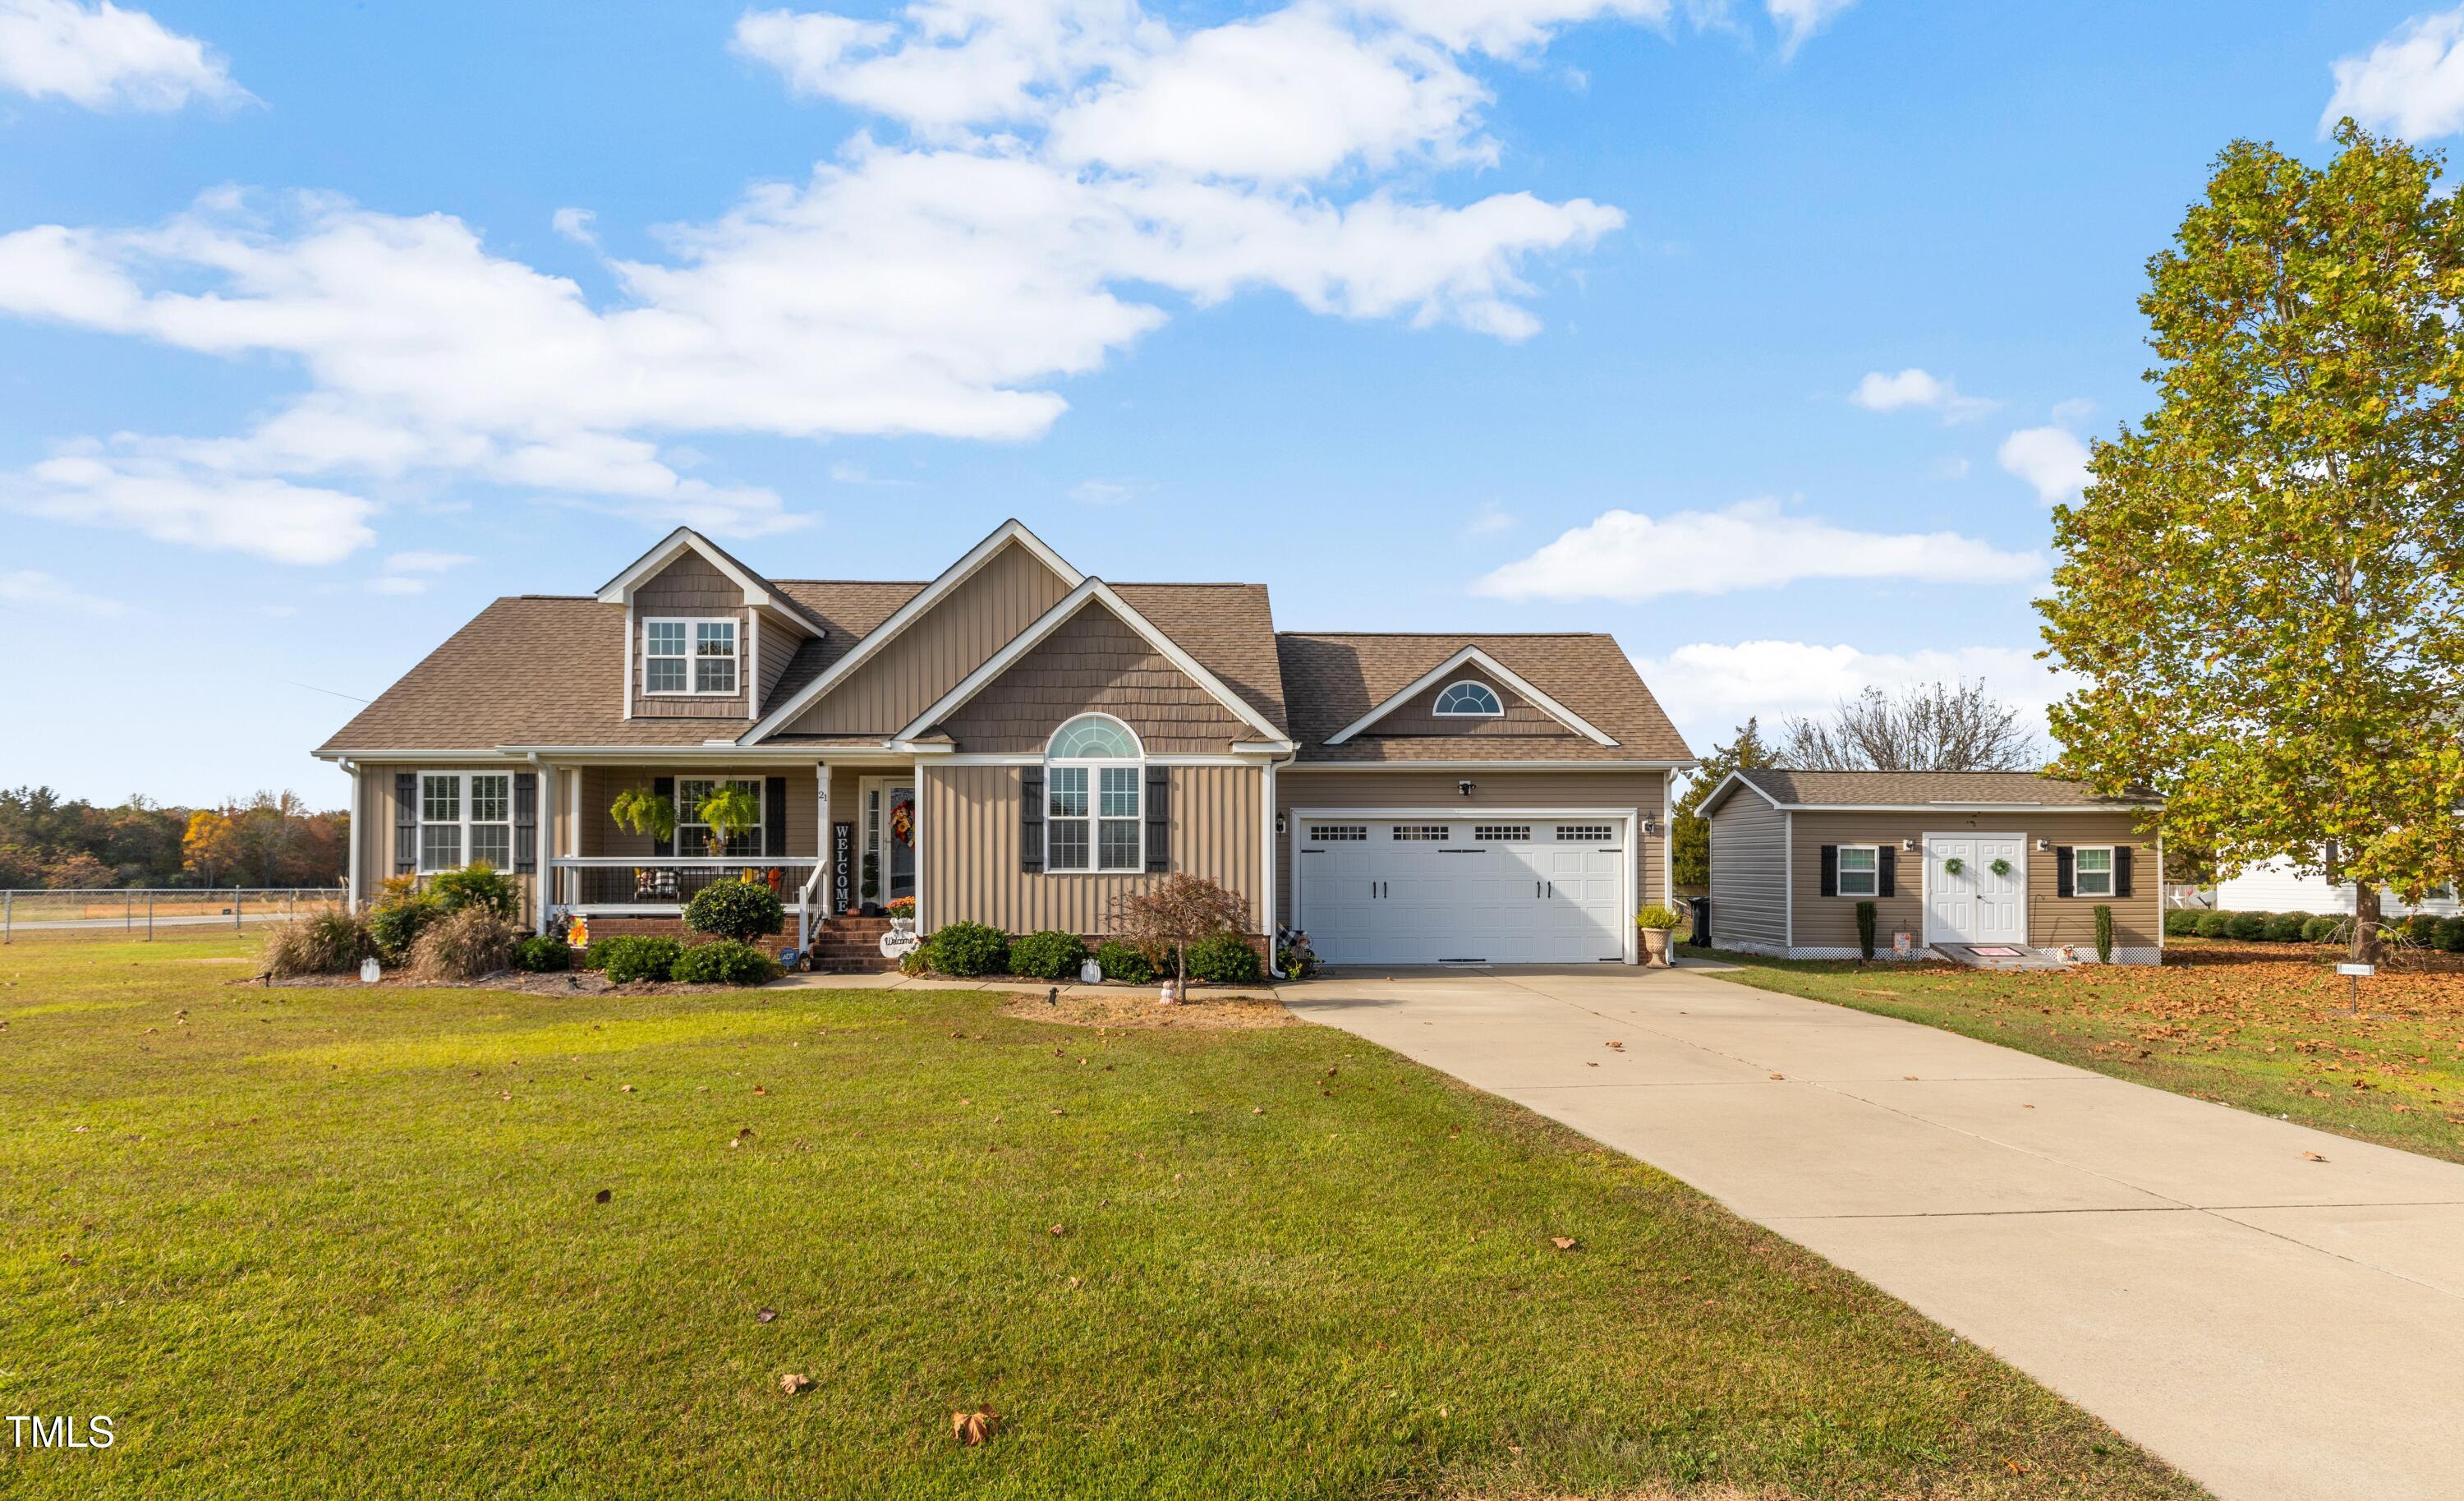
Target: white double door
{"type": "Point", "coordinates": [1966, 900]}
{"type": "Point", "coordinates": [1430, 891]}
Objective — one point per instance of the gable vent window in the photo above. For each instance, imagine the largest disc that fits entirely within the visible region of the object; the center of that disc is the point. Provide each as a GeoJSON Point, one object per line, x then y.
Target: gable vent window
{"type": "Point", "coordinates": [1468, 700]}
{"type": "Point", "coordinates": [1422, 831]}
{"type": "Point", "coordinates": [1502, 833]}
{"type": "Point", "coordinates": [1338, 833]}
{"type": "Point", "coordinates": [1584, 833]}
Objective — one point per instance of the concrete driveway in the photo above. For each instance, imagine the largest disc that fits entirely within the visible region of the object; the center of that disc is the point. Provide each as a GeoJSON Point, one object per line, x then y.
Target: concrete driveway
{"type": "Point", "coordinates": [2276, 1326]}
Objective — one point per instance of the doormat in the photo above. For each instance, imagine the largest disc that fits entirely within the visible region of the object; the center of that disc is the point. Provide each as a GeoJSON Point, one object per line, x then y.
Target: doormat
{"type": "Point", "coordinates": [1994, 953]}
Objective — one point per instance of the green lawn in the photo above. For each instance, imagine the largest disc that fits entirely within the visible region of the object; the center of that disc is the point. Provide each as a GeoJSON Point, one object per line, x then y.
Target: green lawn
{"type": "Point", "coordinates": [2262, 1026]}
{"type": "Point", "coordinates": [316, 1242]}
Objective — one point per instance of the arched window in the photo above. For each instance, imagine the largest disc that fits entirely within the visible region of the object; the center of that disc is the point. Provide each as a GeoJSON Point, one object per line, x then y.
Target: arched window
{"type": "Point", "coordinates": [1468, 700]}
{"type": "Point", "coordinates": [1093, 819]}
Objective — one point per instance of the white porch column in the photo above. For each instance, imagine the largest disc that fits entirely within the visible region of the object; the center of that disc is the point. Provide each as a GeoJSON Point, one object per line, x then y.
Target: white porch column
{"type": "Point", "coordinates": [543, 847]}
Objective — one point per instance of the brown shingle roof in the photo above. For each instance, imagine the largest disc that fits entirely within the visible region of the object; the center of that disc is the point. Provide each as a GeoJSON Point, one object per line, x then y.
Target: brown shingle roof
{"type": "Point", "coordinates": [1917, 789]}
{"type": "Point", "coordinates": [1333, 677]}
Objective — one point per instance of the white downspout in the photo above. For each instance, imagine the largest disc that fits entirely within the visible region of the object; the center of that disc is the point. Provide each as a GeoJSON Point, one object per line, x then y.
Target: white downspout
{"type": "Point", "coordinates": [1266, 896]}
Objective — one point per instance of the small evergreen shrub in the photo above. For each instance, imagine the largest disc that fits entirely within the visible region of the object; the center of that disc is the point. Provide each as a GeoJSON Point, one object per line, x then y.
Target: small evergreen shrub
{"type": "Point", "coordinates": [464, 945]}
{"type": "Point", "coordinates": [738, 910]}
{"type": "Point", "coordinates": [2451, 934]}
{"type": "Point", "coordinates": [2422, 927]}
{"type": "Point", "coordinates": [544, 955]}
{"type": "Point", "coordinates": [914, 962]}
{"type": "Point", "coordinates": [2245, 925]}
{"type": "Point", "coordinates": [1050, 955]}
{"type": "Point", "coordinates": [593, 956]}
{"type": "Point", "coordinates": [395, 925]}
{"type": "Point", "coordinates": [2212, 925]}
{"type": "Point", "coordinates": [725, 962]}
{"type": "Point", "coordinates": [2320, 930]}
{"type": "Point", "coordinates": [2182, 922]}
{"type": "Point", "coordinates": [2285, 927]}
{"type": "Point", "coordinates": [1225, 959]}
{"type": "Point", "coordinates": [967, 949]}
{"type": "Point", "coordinates": [1123, 963]}
{"type": "Point", "coordinates": [480, 885]}
{"type": "Point", "coordinates": [328, 943]}
{"type": "Point", "coordinates": [2103, 934]}
{"type": "Point", "coordinates": [636, 956]}
{"type": "Point", "coordinates": [1865, 929]}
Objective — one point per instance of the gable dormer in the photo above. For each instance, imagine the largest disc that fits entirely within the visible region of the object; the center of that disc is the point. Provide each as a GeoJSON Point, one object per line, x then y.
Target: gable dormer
{"type": "Point", "coordinates": [705, 637]}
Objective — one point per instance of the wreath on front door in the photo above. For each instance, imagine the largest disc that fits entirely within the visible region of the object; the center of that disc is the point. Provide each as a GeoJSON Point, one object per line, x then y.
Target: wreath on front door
{"type": "Point", "coordinates": [1954, 864]}
{"type": "Point", "coordinates": [902, 823]}
{"type": "Point", "coordinates": [2000, 867]}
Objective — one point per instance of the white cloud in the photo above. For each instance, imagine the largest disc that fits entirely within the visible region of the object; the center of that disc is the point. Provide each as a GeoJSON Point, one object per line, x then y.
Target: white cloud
{"type": "Point", "coordinates": [1627, 556]}
{"type": "Point", "coordinates": [1103, 492]}
{"type": "Point", "coordinates": [2412, 82]}
{"type": "Point", "coordinates": [1490, 520]}
{"type": "Point", "coordinates": [181, 505]}
{"type": "Point", "coordinates": [396, 583]}
{"type": "Point", "coordinates": [1954, 467]}
{"type": "Point", "coordinates": [1710, 688]}
{"type": "Point", "coordinates": [1799, 19]}
{"type": "Point", "coordinates": [2053, 460]}
{"type": "Point", "coordinates": [1914, 388]}
{"type": "Point", "coordinates": [418, 562]}
{"type": "Point", "coordinates": [104, 58]}
{"type": "Point", "coordinates": [35, 589]}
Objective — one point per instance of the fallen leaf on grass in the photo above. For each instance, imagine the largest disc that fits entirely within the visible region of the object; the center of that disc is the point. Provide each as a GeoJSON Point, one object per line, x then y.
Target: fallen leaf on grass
{"type": "Point", "coordinates": [767, 1315]}
{"type": "Point", "coordinates": [971, 1428]}
{"type": "Point", "coordinates": [602, 1196]}
{"type": "Point", "coordinates": [1564, 1242]}
{"type": "Point", "coordinates": [624, 1089]}
{"type": "Point", "coordinates": [1060, 1230]}
{"type": "Point", "coordinates": [759, 1090]}
{"type": "Point", "coordinates": [795, 1382]}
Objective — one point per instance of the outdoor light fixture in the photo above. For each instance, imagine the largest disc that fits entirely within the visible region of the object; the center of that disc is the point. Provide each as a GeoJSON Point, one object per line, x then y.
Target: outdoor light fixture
{"type": "Point", "coordinates": [2044, 844]}
{"type": "Point", "coordinates": [1908, 845]}
{"type": "Point", "coordinates": [1465, 788]}
{"type": "Point", "coordinates": [1650, 826]}
{"type": "Point", "coordinates": [1280, 826]}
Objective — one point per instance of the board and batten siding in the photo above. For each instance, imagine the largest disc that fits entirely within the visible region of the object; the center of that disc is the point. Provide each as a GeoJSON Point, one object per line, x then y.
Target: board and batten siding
{"type": "Point", "coordinates": [1095, 661]}
{"type": "Point", "coordinates": [372, 821]}
{"type": "Point", "coordinates": [983, 614]}
{"type": "Point", "coordinates": [967, 820]}
{"type": "Point", "coordinates": [689, 588]}
{"type": "Point", "coordinates": [1749, 877]}
{"type": "Point", "coordinates": [1402, 786]}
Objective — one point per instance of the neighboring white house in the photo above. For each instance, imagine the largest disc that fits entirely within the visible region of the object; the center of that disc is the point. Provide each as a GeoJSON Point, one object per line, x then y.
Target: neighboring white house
{"type": "Point", "coordinates": [2275, 886]}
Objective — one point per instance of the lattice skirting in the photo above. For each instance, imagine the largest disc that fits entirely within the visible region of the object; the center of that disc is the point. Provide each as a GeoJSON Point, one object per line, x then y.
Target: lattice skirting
{"type": "Point", "coordinates": [1881, 952]}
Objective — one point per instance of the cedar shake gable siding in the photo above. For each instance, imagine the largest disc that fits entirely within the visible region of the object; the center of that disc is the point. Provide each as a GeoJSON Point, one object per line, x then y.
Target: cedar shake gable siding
{"type": "Point", "coordinates": [1334, 678]}
{"type": "Point", "coordinates": [1095, 661]}
{"type": "Point", "coordinates": [690, 590]}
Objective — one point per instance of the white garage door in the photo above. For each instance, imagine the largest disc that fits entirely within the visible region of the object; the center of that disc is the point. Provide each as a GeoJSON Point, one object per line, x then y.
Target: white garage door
{"type": "Point", "coordinates": [1434, 890]}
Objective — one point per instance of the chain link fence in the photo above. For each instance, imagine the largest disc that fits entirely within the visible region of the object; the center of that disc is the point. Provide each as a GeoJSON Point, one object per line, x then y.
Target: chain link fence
{"type": "Point", "coordinates": [168, 911]}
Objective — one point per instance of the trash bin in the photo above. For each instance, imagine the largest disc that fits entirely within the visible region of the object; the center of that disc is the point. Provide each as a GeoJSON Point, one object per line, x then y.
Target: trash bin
{"type": "Point", "coordinates": [1701, 909]}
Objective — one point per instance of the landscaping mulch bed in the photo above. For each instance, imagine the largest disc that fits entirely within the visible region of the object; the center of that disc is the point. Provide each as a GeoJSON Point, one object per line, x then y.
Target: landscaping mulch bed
{"type": "Point", "coordinates": [1139, 1009]}
{"type": "Point", "coordinates": [568, 982]}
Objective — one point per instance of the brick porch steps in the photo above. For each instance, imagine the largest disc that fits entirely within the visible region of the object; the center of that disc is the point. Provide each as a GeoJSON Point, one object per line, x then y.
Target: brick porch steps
{"type": "Point", "coordinates": [851, 947]}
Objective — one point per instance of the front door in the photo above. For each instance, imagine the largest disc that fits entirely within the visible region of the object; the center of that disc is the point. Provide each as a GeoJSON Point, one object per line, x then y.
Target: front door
{"type": "Point", "coordinates": [887, 871]}
{"type": "Point", "coordinates": [1976, 889]}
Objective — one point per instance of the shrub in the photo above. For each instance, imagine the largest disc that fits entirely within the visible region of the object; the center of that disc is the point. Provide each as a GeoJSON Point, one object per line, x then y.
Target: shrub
{"type": "Point", "coordinates": [481, 885]}
{"type": "Point", "coordinates": [1865, 929]}
{"type": "Point", "coordinates": [636, 956]}
{"type": "Point", "coordinates": [2245, 925]}
{"type": "Point", "coordinates": [914, 962]}
{"type": "Point", "coordinates": [2321, 929]}
{"type": "Point", "coordinates": [2182, 922]}
{"type": "Point", "coordinates": [2212, 924]}
{"type": "Point", "coordinates": [1296, 959]}
{"type": "Point", "coordinates": [1655, 916]}
{"type": "Point", "coordinates": [725, 962]}
{"type": "Point", "coordinates": [1163, 921]}
{"type": "Point", "coordinates": [1049, 955]}
{"type": "Point", "coordinates": [967, 949]}
{"type": "Point", "coordinates": [738, 910]}
{"type": "Point", "coordinates": [592, 955]}
{"type": "Point", "coordinates": [464, 945]}
{"type": "Point", "coordinates": [2422, 927]}
{"type": "Point", "coordinates": [401, 914]}
{"type": "Point", "coordinates": [2451, 934]}
{"type": "Point", "coordinates": [1124, 962]}
{"type": "Point", "coordinates": [2103, 934]}
{"type": "Point", "coordinates": [328, 943]}
{"type": "Point", "coordinates": [2285, 927]}
{"type": "Point", "coordinates": [1225, 959]}
{"type": "Point", "coordinates": [542, 955]}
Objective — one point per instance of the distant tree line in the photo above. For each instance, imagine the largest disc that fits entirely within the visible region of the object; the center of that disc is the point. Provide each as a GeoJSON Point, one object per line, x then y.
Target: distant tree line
{"type": "Point", "coordinates": [271, 839]}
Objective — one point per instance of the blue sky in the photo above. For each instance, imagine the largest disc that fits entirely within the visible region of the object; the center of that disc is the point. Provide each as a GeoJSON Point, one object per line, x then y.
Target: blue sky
{"type": "Point", "coordinates": [1760, 335]}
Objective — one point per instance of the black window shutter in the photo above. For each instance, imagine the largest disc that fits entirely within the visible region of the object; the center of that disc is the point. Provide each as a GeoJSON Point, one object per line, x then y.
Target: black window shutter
{"type": "Point", "coordinates": [1887, 884]}
{"type": "Point", "coordinates": [2064, 885]}
{"type": "Point", "coordinates": [2121, 869]}
{"type": "Point", "coordinates": [1158, 819]}
{"type": "Point", "coordinates": [406, 822]}
{"type": "Point", "coordinates": [526, 824]}
{"type": "Point", "coordinates": [666, 787]}
{"type": "Point", "coordinates": [1829, 870]}
{"type": "Point", "coordinates": [1030, 819]}
{"type": "Point", "coordinates": [774, 816]}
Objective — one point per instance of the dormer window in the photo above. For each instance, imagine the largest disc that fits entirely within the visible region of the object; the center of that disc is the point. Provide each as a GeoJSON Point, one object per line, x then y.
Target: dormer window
{"type": "Point", "coordinates": [690, 656]}
{"type": "Point", "coordinates": [1468, 700]}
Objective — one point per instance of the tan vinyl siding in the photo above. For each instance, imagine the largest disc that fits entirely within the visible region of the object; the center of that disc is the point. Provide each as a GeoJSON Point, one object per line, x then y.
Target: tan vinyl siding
{"type": "Point", "coordinates": [689, 588]}
{"type": "Point", "coordinates": [1298, 787]}
{"type": "Point", "coordinates": [1749, 865]}
{"type": "Point", "coordinates": [950, 640]}
{"type": "Point", "coordinates": [778, 643]}
{"type": "Point", "coordinates": [2138, 920]}
{"type": "Point", "coordinates": [1522, 720]}
{"type": "Point", "coordinates": [968, 819]}
{"type": "Point", "coordinates": [1831, 921]}
{"type": "Point", "coordinates": [1095, 661]}
{"type": "Point", "coordinates": [602, 836]}
{"type": "Point", "coordinates": [374, 826]}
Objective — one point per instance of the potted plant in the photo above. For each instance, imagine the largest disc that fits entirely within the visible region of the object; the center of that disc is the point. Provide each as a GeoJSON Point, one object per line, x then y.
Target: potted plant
{"type": "Point", "coordinates": [902, 915]}
{"type": "Point", "coordinates": [643, 812]}
{"type": "Point", "coordinates": [869, 885]}
{"type": "Point", "coordinates": [1656, 923]}
{"type": "Point", "coordinates": [727, 811]}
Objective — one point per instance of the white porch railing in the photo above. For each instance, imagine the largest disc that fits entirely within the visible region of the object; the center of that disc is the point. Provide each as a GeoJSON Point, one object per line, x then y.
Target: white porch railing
{"type": "Point", "coordinates": [660, 885]}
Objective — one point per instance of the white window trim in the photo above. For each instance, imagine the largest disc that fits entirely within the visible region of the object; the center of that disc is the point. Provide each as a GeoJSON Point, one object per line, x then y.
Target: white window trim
{"type": "Point", "coordinates": [1437, 712]}
{"type": "Point", "coordinates": [1840, 873]}
{"type": "Point", "coordinates": [465, 823]}
{"type": "Point", "coordinates": [693, 656]}
{"type": "Point", "coordinates": [760, 823]}
{"type": "Point", "coordinates": [1093, 817]}
{"type": "Point", "coordinates": [2108, 872]}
